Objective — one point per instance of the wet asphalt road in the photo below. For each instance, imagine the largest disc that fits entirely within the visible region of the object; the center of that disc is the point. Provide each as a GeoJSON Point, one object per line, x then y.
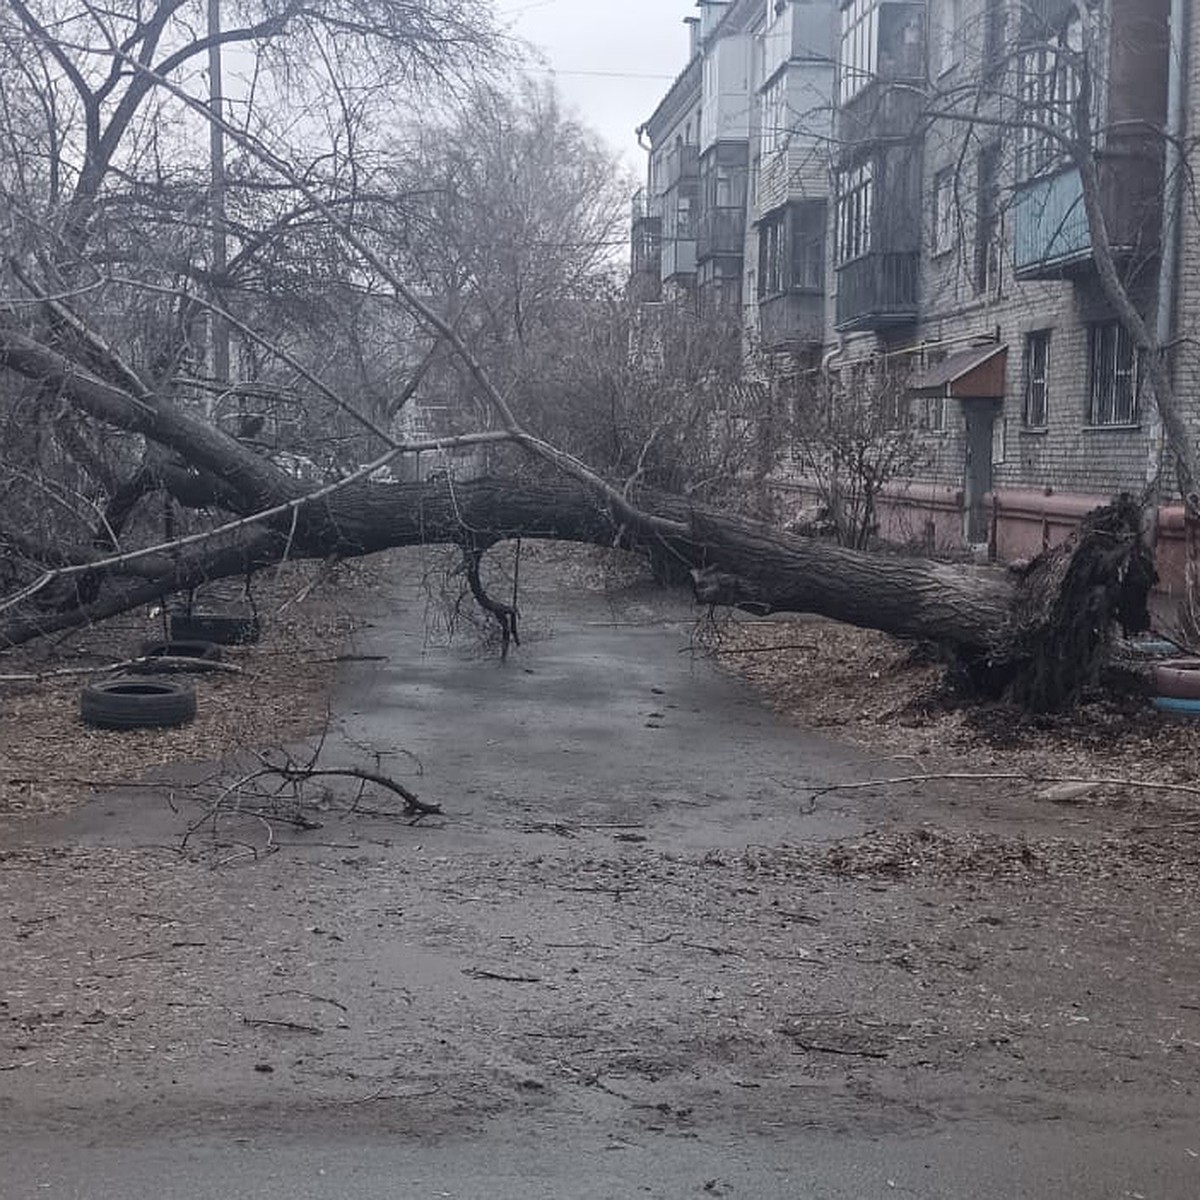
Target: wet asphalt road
{"type": "Point", "coordinates": [603, 720]}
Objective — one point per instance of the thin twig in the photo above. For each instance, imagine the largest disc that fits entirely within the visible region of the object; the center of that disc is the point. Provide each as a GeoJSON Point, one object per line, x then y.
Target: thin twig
{"type": "Point", "coordinates": [146, 660]}
{"type": "Point", "coordinates": [311, 996]}
{"type": "Point", "coordinates": [297, 1026]}
{"type": "Point", "coordinates": [818, 1048]}
{"type": "Point", "coordinates": [766, 649]}
{"type": "Point", "coordinates": [480, 973]}
{"type": "Point", "coordinates": [1005, 776]}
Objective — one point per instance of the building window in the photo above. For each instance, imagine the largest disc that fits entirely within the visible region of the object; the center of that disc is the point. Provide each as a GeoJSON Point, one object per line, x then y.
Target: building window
{"type": "Point", "coordinates": [808, 246]}
{"type": "Point", "coordinates": [855, 205]}
{"type": "Point", "coordinates": [933, 416]}
{"type": "Point", "coordinates": [1049, 85]}
{"type": "Point", "coordinates": [1114, 376]}
{"type": "Point", "coordinates": [989, 243]}
{"type": "Point", "coordinates": [1037, 356]}
{"type": "Point", "coordinates": [949, 36]}
{"type": "Point", "coordinates": [858, 59]}
{"type": "Point", "coordinates": [791, 250]}
{"type": "Point", "coordinates": [683, 218]}
{"type": "Point", "coordinates": [775, 115]}
{"type": "Point", "coordinates": [945, 212]}
{"type": "Point", "coordinates": [770, 258]}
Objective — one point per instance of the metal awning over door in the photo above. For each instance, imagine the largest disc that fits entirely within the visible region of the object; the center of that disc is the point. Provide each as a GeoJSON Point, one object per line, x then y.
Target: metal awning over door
{"type": "Point", "coordinates": [975, 374]}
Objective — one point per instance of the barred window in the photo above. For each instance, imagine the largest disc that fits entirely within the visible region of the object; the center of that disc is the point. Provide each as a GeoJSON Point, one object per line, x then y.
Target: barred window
{"type": "Point", "coordinates": [1114, 376]}
{"type": "Point", "coordinates": [1037, 357]}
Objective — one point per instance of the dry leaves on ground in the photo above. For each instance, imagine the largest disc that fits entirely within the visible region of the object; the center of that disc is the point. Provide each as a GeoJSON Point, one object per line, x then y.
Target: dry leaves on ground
{"type": "Point", "coordinates": [878, 691]}
{"type": "Point", "coordinates": [50, 760]}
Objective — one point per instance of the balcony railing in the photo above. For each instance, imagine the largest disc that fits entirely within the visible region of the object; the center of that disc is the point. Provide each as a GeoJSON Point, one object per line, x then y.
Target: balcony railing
{"type": "Point", "coordinates": [1051, 234]}
{"type": "Point", "coordinates": [877, 290]}
{"type": "Point", "coordinates": [683, 163]}
{"type": "Point", "coordinates": [1050, 226]}
{"type": "Point", "coordinates": [722, 231]}
{"type": "Point", "coordinates": [878, 115]}
{"type": "Point", "coordinates": [791, 320]}
{"type": "Point", "coordinates": [678, 258]}
{"type": "Point", "coordinates": [647, 245]}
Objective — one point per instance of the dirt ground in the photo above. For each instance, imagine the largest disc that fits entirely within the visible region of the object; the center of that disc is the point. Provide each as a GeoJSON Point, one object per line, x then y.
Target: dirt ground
{"type": "Point", "coordinates": [653, 917]}
{"type": "Point", "coordinates": [277, 691]}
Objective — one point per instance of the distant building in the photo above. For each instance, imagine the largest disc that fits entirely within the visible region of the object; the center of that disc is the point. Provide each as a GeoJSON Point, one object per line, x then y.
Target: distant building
{"type": "Point", "coordinates": [883, 182]}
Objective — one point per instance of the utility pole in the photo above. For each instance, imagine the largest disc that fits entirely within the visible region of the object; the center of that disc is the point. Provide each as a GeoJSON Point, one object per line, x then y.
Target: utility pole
{"type": "Point", "coordinates": [218, 328]}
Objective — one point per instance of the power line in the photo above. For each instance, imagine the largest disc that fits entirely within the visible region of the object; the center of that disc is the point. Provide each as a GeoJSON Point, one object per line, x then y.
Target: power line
{"type": "Point", "coordinates": [597, 74]}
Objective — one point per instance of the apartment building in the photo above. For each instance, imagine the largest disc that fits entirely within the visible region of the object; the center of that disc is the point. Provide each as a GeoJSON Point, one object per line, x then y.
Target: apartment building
{"type": "Point", "coordinates": [912, 206]}
{"type": "Point", "coordinates": [735, 212]}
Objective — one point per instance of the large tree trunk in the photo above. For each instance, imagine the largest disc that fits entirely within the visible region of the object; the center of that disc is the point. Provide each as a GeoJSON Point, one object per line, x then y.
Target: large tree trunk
{"type": "Point", "coordinates": [762, 568]}
{"type": "Point", "coordinates": [1040, 636]}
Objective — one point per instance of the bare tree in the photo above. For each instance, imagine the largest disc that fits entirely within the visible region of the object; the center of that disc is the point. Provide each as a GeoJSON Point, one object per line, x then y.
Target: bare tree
{"type": "Point", "coordinates": [104, 358]}
{"type": "Point", "coordinates": [854, 435]}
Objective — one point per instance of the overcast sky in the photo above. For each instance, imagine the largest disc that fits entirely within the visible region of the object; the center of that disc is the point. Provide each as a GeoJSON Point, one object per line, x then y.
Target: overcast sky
{"type": "Point", "coordinates": [613, 59]}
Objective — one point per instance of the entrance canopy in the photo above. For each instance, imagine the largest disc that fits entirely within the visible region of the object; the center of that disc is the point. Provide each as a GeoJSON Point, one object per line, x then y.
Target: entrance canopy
{"type": "Point", "coordinates": [975, 374]}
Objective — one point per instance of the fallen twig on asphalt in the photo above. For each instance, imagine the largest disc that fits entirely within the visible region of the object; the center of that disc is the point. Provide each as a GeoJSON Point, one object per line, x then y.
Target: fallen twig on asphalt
{"type": "Point", "coordinates": [720, 951]}
{"type": "Point", "coordinates": [819, 1048]}
{"type": "Point", "coordinates": [311, 996]}
{"type": "Point", "coordinates": [295, 1026]}
{"type": "Point", "coordinates": [480, 973]}
{"type": "Point", "coordinates": [293, 773]}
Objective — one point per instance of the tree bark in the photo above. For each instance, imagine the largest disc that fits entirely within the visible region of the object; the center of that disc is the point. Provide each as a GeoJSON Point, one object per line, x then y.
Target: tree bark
{"type": "Point", "coordinates": [764, 569]}
{"type": "Point", "coordinates": [1040, 637]}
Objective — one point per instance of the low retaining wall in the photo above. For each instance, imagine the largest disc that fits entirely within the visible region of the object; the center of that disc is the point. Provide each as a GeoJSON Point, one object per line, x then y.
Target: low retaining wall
{"type": "Point", "coordinates": [1022, 523]}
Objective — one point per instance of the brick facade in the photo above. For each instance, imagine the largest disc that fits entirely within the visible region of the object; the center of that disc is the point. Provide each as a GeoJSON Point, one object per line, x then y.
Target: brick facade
{"type": "Point", "coordinates": [1004, 252]}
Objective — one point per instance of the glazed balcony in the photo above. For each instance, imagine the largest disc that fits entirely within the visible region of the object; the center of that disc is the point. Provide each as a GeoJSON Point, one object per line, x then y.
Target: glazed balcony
{"type": "Point", "coordinates": [722, 234]}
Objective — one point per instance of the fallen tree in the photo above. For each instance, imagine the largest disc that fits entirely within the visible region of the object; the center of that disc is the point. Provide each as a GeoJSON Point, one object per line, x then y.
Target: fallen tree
{"type": "Point", "coordinates": [1039, 636]}
{"type": "Point", "coordinates": [120, 297]}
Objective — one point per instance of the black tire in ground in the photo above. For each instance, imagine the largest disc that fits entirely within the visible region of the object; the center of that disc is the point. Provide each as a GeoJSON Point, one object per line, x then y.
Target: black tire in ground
{"type": "Point", "coordinates": [228, 629]}
{"type": "Point", "coordinates": [135, 703]}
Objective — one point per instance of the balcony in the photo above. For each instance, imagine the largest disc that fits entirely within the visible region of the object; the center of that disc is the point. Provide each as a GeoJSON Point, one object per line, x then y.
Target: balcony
{"type": "Point", "coordinates": [1050, 226]}
{"type": "Point", "coordinates": [1051, 235]}
{"type": "Point", "coordinates": [683, 164]}
{"type": "Point", "coordinates": [645, 236]}
{"type": "Point", "coordinates": [792, 320]}
{"type": "Point", "coordinates": [647, 246]}
{"type": "Point", "coordinates": [678, 258]}
{"type": "Point", "coordinates": [878, 115]}
{"type": "Point", "coordinates": [877, 291]}
{"type": "Point", "coordinates": [722, 232]}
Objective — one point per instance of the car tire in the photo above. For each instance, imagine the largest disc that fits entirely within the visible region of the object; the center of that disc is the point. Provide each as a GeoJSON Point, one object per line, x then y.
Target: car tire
{"type": "Point", "coordinates": [1178, 678]}
{"type": "Point", "coordinates": [137, 703]}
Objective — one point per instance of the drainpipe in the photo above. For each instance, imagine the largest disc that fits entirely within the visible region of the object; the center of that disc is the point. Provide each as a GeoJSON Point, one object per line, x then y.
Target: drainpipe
{"type": "Point", "coordinates": [1168, 268]}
